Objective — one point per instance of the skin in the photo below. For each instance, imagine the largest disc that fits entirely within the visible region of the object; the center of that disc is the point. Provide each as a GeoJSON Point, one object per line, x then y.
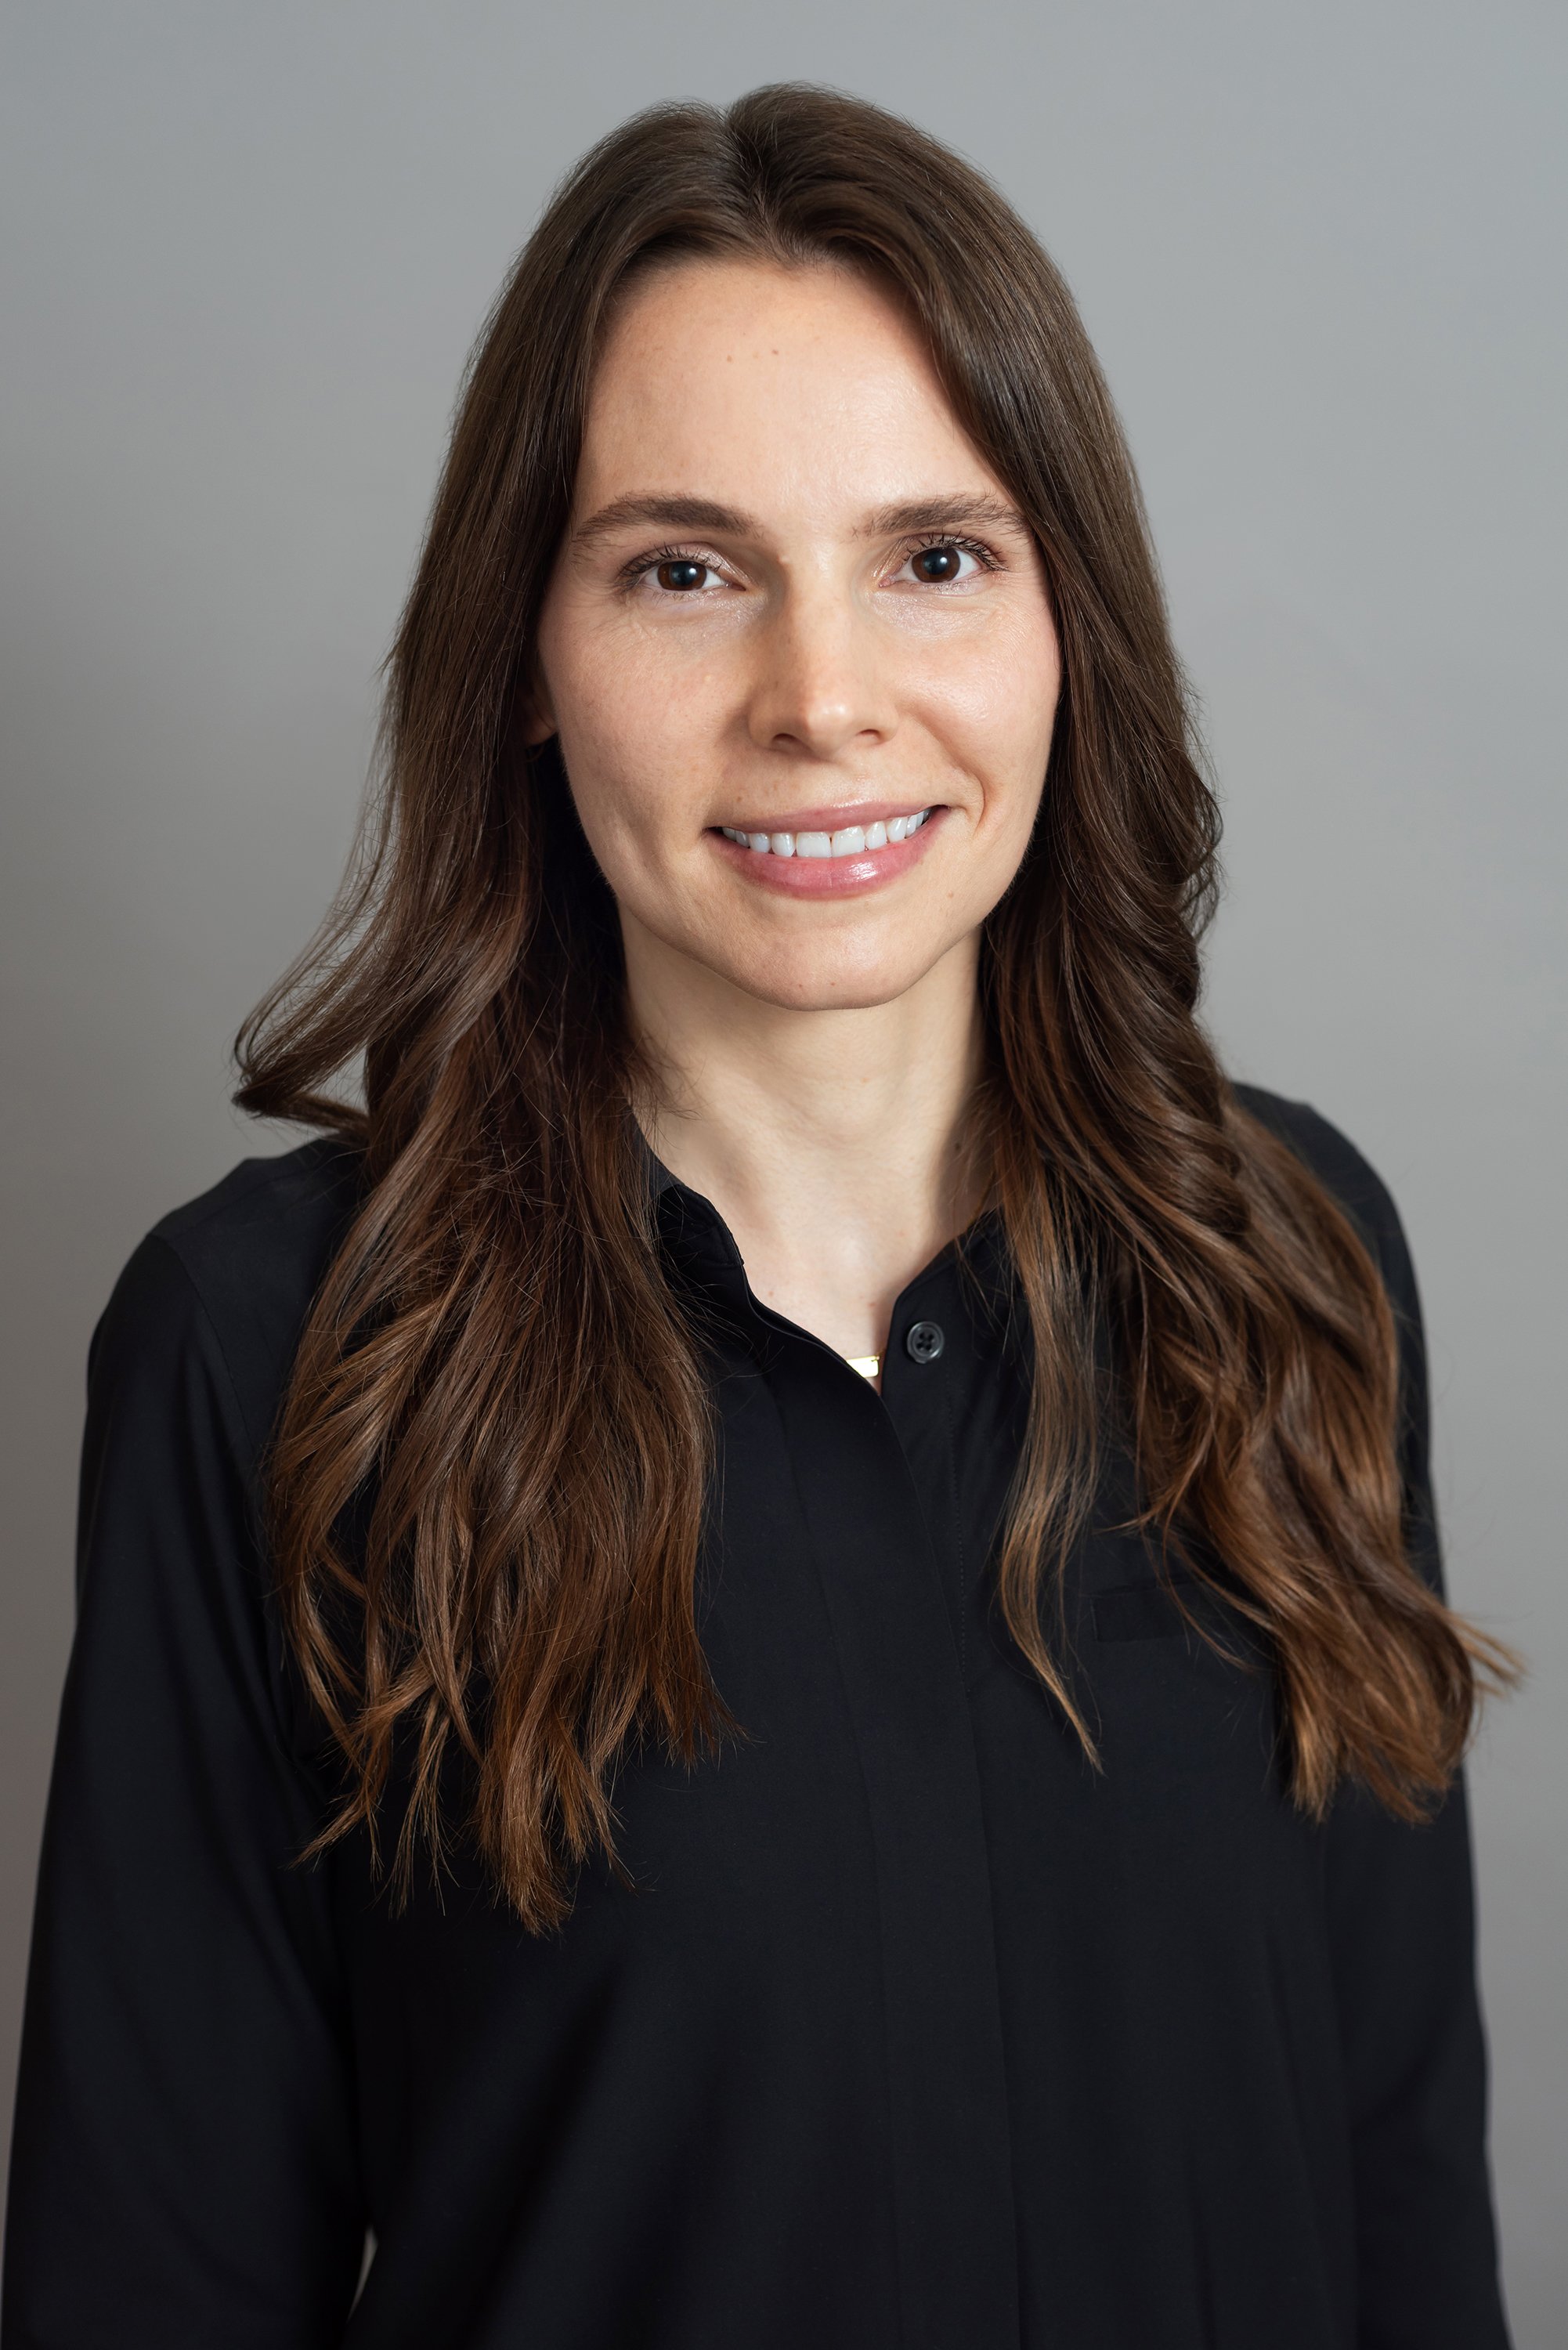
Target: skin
{"type": "Point", "coordinates": [815, 1025]}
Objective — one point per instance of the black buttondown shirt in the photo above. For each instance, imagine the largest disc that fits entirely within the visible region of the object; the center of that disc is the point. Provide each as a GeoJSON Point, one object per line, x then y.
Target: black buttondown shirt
{"type": "Point", "coordinates": [912, 2031]}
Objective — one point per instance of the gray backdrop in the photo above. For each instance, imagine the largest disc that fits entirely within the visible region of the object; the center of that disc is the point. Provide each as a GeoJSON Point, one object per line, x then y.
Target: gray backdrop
{"type": "Point", "coordinates": [1319, 249]}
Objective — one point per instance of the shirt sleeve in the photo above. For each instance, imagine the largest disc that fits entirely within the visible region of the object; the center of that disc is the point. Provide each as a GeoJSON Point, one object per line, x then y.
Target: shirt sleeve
{"type": "Point", "coordinates": [1402, 1929]}
{"type": "Point", "coordinates": [183, 2170]}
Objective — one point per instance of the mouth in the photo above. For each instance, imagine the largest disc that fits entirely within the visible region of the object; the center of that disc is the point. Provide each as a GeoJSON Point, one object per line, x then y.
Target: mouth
{"type": "Point", "coordinates": [845, 840]}
{"type": "Point", "coordinates": [828, 852]}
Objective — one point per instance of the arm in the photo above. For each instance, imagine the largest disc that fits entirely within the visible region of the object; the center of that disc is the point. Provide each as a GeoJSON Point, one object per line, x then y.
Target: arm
{"type": "Point", "coordinates": [1400, 1909]}
{"type": "Point", "coordinates": [1402, 1918]}
{"type": "Point", "coordinates": [183, 2170]}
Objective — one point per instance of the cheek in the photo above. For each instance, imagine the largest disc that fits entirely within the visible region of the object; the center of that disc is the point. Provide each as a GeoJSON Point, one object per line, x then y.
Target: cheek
{"type": "Point", "coordinates": [620, 738]}
{"type": "Point", "coordinates": [998, 709]}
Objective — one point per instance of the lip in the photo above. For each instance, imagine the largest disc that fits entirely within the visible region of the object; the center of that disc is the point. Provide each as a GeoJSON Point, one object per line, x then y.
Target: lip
{"type": "Point", "coordinates": [832, 876]}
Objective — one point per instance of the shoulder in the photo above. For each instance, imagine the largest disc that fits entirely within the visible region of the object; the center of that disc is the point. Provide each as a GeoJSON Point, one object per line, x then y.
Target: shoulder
{"type": "Point", "coordinates": [1349, 1178]}
{"type": "Point", "coordinates": [233, 1272]}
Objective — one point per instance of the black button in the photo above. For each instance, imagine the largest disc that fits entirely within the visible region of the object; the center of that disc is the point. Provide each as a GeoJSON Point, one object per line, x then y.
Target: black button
{"type": "Point", "coordinates": [924, 1342]}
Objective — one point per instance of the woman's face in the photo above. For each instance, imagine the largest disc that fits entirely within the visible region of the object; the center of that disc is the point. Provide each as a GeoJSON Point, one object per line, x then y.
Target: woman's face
{"type": "Point", "coordinates": [797, 644]}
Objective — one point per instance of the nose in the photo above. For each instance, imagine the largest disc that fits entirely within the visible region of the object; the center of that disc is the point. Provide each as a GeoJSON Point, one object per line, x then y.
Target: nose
{"type": "Point", "coordinates": [823, 684]}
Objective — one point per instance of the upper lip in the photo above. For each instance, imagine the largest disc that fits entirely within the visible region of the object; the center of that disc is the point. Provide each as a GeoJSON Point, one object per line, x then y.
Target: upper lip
{"type": "Point", "coordinates": [828, 819]}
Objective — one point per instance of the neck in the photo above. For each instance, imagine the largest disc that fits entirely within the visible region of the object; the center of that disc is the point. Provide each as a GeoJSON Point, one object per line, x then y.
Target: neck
{"type": "Point", "coordinates": [830, 1141]}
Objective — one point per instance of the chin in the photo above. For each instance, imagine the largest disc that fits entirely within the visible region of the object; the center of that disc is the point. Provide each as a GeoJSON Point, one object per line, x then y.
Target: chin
{"type": "Point", "coordinates": [817, 982]}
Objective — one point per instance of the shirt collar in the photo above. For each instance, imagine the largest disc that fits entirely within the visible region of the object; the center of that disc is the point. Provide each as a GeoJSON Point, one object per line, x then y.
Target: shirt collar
{"type": "Point", "coordinates": [692, 1226]}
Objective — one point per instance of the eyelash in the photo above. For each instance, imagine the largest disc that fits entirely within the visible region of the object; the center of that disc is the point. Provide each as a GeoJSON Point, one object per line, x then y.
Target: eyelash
{"type": "Point", "coordinates": [986, 556]}
{"type": "Point", "coordinates": [640, 565]}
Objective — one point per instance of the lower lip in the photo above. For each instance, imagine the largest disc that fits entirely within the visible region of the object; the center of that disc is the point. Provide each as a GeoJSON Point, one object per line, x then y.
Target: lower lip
{"type": "Point", "coordinates": [828, 877]}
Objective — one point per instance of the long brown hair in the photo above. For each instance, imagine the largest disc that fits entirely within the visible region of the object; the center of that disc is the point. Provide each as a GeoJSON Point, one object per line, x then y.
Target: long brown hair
{"type": "Point", "coordinates": [498, 1390]}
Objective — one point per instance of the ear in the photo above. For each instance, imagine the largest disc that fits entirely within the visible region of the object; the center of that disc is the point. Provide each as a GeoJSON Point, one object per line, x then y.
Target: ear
{"type": "Point", "coordinates": [535, 719]}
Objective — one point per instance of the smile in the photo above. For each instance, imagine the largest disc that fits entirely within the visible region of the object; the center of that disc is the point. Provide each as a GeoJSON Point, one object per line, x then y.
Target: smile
{"type": "Point", "coordinates": [811, 856]}
{"type": "Point", "coordinates": [850, 840]}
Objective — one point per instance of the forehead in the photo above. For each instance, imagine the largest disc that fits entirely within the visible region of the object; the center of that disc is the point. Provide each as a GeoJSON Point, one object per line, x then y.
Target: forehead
{"type": "Point", "coordinates": [772, 389]}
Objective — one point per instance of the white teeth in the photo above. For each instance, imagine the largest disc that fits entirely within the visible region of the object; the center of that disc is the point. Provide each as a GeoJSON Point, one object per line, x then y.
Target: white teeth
{"type": "Point", "coordinates": [852, 840]}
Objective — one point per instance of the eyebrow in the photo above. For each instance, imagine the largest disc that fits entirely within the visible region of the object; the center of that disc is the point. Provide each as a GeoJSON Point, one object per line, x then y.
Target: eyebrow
{"type": "Point", "coordinates": [964, 512]}
{"type": "Point", "coordinates": [961, 513]}
{"type": "Point", "coordinates": [671, 514]}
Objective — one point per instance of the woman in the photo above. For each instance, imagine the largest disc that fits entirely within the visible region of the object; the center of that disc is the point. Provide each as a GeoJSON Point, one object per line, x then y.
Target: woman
{"type": "Point", "coordinates": [760, 1659]}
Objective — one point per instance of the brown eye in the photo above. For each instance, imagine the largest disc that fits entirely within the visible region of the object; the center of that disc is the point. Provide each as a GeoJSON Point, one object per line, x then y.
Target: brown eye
{"type": "Point", "coordinates": [681, 574]}
{"type": "Point", "coordinates": [938, 563]}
